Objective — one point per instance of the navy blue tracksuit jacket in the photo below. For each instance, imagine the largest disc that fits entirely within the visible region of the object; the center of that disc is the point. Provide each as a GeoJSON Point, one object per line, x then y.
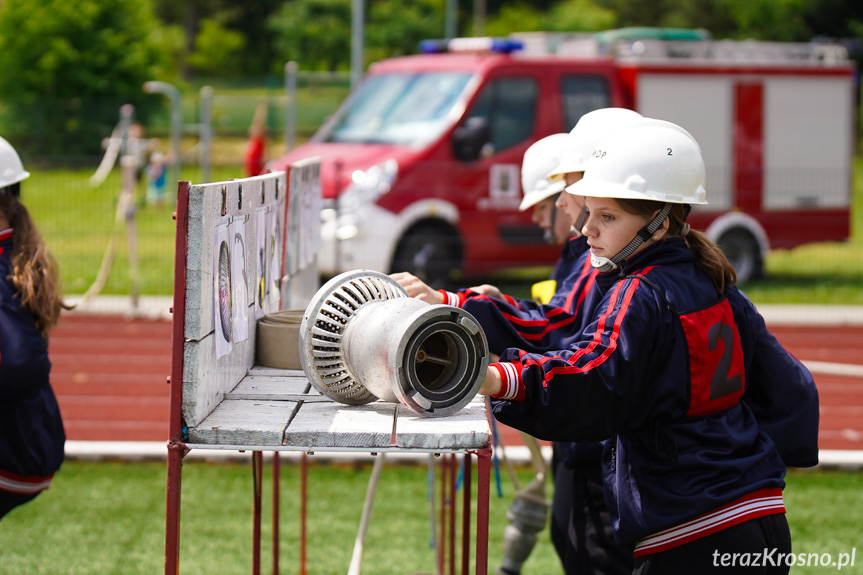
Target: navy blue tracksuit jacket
{"type": "Point", "coordinates": [692, 392]}
{"type": "Point", "coordinates": [31, 430]}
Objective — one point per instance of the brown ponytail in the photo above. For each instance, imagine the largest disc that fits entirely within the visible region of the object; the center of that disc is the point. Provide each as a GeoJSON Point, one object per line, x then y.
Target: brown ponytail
{"type": "Point", "coordinates": [35, 274]}
{"type": "Point", "coordinates": [709, 256]}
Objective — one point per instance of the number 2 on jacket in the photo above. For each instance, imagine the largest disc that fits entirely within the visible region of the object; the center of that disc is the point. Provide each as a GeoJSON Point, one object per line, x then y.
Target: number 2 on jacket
{"type": "Point", "coordinates": [716, 375]}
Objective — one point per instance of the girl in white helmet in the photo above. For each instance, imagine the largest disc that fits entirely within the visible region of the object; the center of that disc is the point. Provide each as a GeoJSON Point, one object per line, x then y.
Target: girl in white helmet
{"type": "Point", "coordinates": [701, 407]}
{"type": "Point", "coordinates": [31, 429]}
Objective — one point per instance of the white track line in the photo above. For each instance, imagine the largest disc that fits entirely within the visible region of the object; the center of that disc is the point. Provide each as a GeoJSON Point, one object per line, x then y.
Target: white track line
{"type": "Point", "coordinates": [829, 368]}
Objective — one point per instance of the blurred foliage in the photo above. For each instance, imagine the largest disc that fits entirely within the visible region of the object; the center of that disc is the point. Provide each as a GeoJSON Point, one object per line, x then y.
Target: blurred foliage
{"type": "Point", "coordinates": [395, 27]}
{"type": "Point", "coordinates": [217, 48]}
{"type": "Point", "coordinates": [69, 66]}
{"type": "Point", "coordinates": [314, 32]}
{"type": "Point", "coordinates": [63, 62]}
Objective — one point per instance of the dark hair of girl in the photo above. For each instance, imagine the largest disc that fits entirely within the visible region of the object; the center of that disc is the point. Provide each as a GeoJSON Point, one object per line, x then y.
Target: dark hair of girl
{"type": "Point", "coordinates": [709, 256]}
{"type": "Point", "coordinates": [34, 270]}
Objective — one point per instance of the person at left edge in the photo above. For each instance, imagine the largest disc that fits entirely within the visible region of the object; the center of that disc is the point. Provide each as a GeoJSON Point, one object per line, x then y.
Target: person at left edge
{"type": "Point", "coordinates": [32, 438]}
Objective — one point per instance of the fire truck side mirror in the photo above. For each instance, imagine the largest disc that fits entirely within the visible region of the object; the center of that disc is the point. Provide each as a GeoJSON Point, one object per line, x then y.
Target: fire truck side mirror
{"type": "Point", "coordinates": [469, 138]}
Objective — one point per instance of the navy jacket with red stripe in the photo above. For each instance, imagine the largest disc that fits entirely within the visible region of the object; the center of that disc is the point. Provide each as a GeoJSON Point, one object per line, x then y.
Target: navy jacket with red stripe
{"type": "Point", "coordinates": [525, 324]}
{"type": "Point", "coordinates": [31, 430]}
{"type": "Point", "coordinates": [661, 370]}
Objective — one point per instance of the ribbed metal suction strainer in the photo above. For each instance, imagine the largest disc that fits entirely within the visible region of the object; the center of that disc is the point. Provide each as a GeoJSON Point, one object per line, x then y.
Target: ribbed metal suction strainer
{"type": "Point", "coordinates": [323, 325]}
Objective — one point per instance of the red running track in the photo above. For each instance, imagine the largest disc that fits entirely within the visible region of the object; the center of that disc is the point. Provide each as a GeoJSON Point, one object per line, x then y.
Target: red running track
{"type": "Point", "coordinates": [110, 376]}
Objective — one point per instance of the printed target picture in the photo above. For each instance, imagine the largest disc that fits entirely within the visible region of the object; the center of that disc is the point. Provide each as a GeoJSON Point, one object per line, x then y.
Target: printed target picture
{"type": "Point", "coordinates": [274, 249]}
{"type": "Point", "coordinates": [225, 290]}
{"type": "Point", "coordinates": [240, 280]}
{"type": "Point", "coordinates": [222, 290]}
{"type": "Point", "coordinates": [260, 262]}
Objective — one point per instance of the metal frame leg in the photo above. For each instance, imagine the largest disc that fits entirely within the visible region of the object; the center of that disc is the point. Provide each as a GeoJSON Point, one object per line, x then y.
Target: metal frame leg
{"type": "Point", "coordinates": [176, 452]}
{"type": "Point", "coordinates": [276, 513]}
{"type": "Point", "coordinates": [257, 468]}
{"type": "Point", "coordinates": [465, 514]}
{"type": "Point", "coordinates": [483, 490]}
{"type": "Point", "coordinates": [453, 472]}
{"type": "Point", "coordinates": [304, 471]}
{"type": "Point", "coordinates": [441, 543]}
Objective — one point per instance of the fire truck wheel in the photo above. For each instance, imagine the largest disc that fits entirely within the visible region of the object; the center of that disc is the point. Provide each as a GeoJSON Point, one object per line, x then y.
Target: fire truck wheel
{"type": "Point", "coordinates": [742, 250]}
{"type": "Point", "coordinates": [430, 252]}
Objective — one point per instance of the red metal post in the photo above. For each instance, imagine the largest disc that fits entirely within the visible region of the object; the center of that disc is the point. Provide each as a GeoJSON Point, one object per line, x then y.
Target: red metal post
{"type": "Point", "coordinates": [483, 489]}
{"type": "Point", "coordinates": [441, 543]}
{"type": "Point", "coordinates": [452, 507]}
{"type": "Point", "coordinates": [176, 448]}
{"type": "Point", "coordinates": [257, 468]}
{"type": "Point", "coordinates": [275, 513]}
{"type": "Point", "coordinates": [465, 514]}
{"type": "Point", "coordinates": [176, 451]}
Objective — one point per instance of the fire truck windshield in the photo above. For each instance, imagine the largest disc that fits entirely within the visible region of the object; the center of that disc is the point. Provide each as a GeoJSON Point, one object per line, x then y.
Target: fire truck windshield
{"type": "Point", "coordinates": [404, 109]}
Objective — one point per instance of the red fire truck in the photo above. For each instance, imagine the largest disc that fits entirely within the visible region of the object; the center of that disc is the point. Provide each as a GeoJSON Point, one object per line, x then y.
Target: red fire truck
{"type": "Point", "coordinates": [420, 164]}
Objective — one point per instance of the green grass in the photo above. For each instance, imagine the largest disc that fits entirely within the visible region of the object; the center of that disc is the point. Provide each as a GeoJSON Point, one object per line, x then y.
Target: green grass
{"type": "Point", "coordinates": [824, 510]}
{"type": "Point", "coordinates": [109, 518]}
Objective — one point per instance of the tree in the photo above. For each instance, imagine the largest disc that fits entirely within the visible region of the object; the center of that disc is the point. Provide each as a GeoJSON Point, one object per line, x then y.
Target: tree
{"type": "Point", "coordinates": [314, 33]}
{"type": "Point", "coordinates": [637, 12]}
{"type": "Point", "coordinates": [68, 66]}
{"type": "Point", "coordinates": [395, 28]}
{"type": "Point", "coordinates": [217, 49]}
{"type": "Point", "coordinates": [778, 20]}
{"type": "Point", "coordinates": [579, 16]}
{"type": "Point", "coordinates": [248, 21]}
{"type": "Point", "coordinates": [515, 18]}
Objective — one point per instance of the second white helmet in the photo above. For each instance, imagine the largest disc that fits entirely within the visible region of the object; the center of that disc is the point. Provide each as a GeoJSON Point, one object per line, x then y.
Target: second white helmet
{"type": "Point", "coordinates": [589, 129]}
{"type": "Point", "coordinates": [538, 159]}
{"type": "Point", "coordinates": [654, 160]}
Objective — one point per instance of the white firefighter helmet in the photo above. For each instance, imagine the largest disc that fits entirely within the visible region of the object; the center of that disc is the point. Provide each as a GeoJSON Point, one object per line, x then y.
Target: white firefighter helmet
{"type": "Point", "coordinates": [11, 169]}
{"type": "Point", "coordinates": [587, 132]}
{"type": "Point", "coordinates": [653, 160]}
{"type": "Point", "coordinates": [538, 159]}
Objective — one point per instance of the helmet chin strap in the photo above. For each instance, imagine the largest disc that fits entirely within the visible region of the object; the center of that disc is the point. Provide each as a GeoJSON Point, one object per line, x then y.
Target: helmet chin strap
{"type": "Point", "coordinates": [608, 264]}
{"type": "Point", "coordinates": [576, 228]}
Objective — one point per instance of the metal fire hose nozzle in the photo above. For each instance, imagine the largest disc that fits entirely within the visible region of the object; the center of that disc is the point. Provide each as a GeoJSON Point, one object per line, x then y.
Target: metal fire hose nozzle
{"type": "Point", "coordinates": [363, 338]}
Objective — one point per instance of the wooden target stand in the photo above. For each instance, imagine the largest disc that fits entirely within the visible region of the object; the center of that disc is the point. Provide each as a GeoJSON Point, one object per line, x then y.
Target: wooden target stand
{"type": "Point", "coordinates": [224, 401]}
